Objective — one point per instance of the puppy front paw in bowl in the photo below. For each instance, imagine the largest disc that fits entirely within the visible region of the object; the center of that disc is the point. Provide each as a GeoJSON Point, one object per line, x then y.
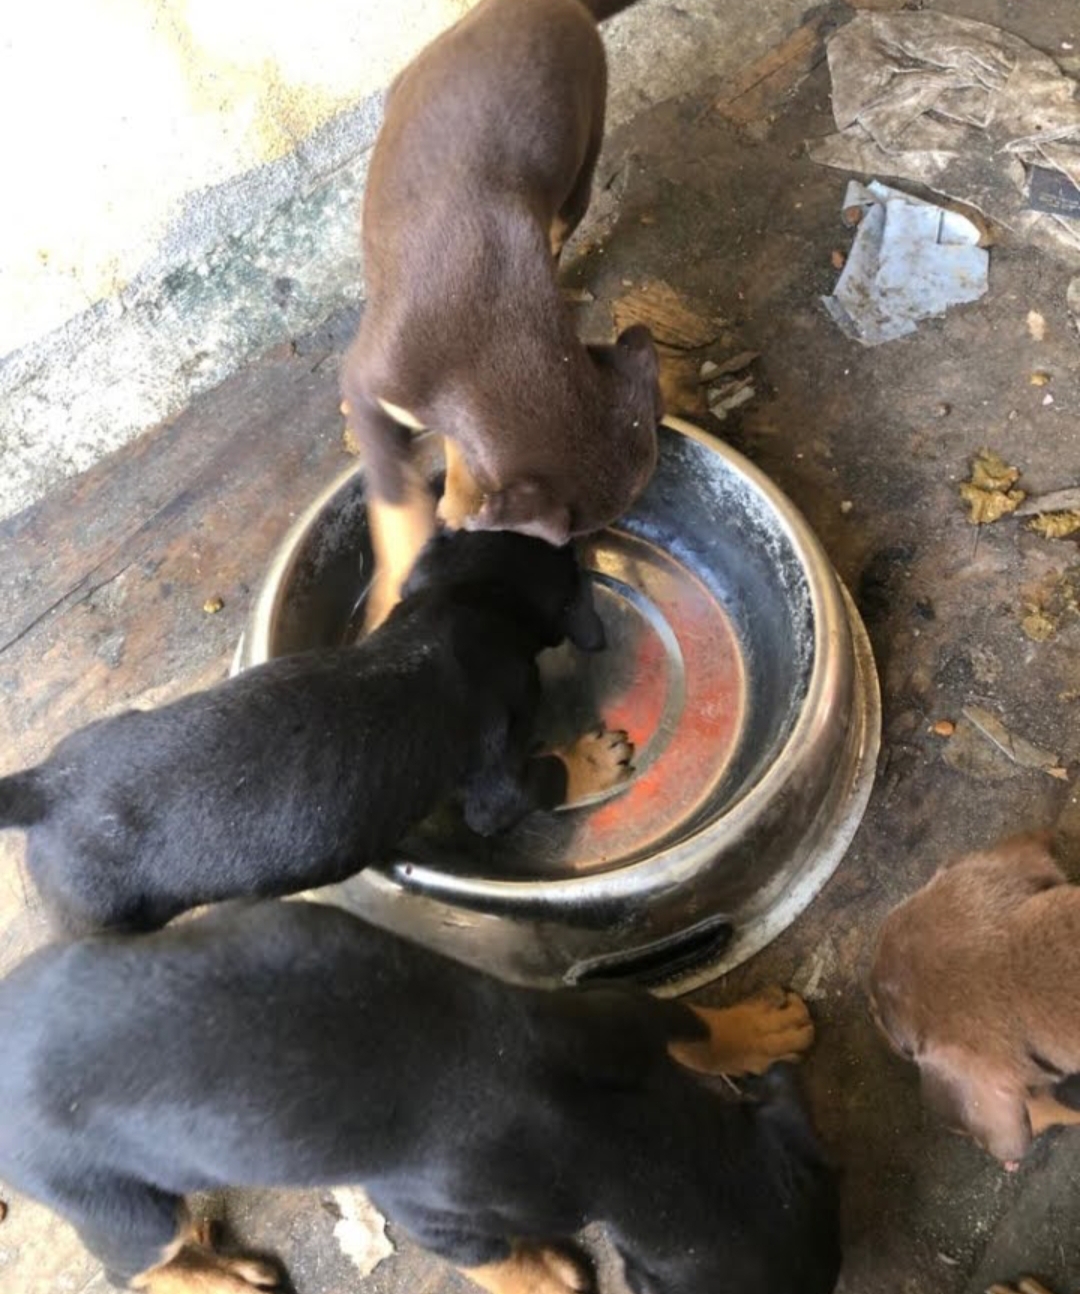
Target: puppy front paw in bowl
{"type": "Point", "coordinates": [304, 770]}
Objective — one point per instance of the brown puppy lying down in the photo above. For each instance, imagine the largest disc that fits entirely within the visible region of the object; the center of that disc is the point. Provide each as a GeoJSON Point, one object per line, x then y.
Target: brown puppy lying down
{"type": "Point", "coordinates": [482, 169]}
{"type": "Point", "coordinates": [977, 979]}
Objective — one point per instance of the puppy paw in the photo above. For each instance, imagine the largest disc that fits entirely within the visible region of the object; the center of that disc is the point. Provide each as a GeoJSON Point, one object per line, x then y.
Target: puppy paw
{"type": "Point", "coordinates": [596, 762]}
{"type": "Point", "coordinates": [747, 1038]}
{"type": "Point", "coordinates": [197, 1269]}
{"type": "Point", "coordinates": [533, 1269]}
{"type": "Point", "coordinates": [1026, 1285]}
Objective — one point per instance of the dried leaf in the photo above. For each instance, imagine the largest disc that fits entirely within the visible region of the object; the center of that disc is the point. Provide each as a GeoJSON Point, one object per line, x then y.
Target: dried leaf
{"type": "Point", "coordinates": [989, 471]}
{"type": "Point", "coordinates": [988, 505]}
{"type": "Point", "coordinates": [1056, 525]}
{"type": "Point", "coordinates": [990, 493]}
{"type": "Point", "coordinates": [1038, 626]}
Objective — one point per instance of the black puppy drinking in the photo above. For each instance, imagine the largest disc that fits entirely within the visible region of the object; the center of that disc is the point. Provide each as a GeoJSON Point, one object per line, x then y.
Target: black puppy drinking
{"type": "Point", "coordinates": [303, 770]}
{"type": "Point", "coordinates": [289, 1043]}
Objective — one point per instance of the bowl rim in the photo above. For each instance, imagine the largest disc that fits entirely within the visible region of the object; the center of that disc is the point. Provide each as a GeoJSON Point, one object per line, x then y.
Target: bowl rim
{"type": "Point", "coordinates": [833, 647]}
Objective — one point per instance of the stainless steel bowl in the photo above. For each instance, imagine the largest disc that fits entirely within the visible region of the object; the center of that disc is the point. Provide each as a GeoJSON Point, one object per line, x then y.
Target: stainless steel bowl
{"type": "Point", "coordinates": [741, 669]}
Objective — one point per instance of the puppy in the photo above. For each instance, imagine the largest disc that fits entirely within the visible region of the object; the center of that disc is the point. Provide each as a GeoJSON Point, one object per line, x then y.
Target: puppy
{"type": "Point", "coordinates": [288, 1043]}
{"type": "Point", "coordinates": [304, 770]}
{"type": "Point", "coordinates": [977, 979]}
{"type": "Point", "coordinates": [481, 170]}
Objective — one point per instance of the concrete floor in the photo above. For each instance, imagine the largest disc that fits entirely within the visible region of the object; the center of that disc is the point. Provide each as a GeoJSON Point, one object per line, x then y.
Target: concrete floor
{"type": "Point", "coordinates": [738, 219]}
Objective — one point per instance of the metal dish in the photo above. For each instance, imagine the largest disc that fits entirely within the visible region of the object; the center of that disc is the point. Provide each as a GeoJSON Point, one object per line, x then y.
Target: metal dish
{"type": "Point", "coordinates": [740, 668]}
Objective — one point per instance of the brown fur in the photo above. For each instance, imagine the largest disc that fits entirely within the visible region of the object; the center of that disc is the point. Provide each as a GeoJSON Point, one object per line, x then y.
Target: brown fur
{"type": "Point", "coordinates": [484, 163]}
{"type": "Point", "coordinates": [977, 979]}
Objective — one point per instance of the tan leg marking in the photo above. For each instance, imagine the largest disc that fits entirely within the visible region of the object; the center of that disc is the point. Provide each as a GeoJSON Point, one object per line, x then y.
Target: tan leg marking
{"type": "Point", "coordinates": [531, 1269]}
{"type": "Point", "coordinates": [462, 496]}
{"type": "Point", "coordinates": [398, 532]}
{"type": "Point", "coordinates": [1045, 1111]}
{"type": "Point", "coordinates": [596, 762]}
{"type": "Point", "coordinates": [190, 1266]}
{"type": "Point", "coordinates": [749, 1037]}
{"type": "Point", "coordinates": [560, 231]}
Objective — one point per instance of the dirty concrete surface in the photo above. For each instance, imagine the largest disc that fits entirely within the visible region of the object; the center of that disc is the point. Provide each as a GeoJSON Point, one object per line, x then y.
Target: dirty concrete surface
{"type": "Point", "coordinates": [870, 444]}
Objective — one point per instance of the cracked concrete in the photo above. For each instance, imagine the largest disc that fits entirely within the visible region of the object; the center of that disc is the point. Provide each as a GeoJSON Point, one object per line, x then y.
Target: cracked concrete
{"type": "Point", "coordinates": [272, 253]}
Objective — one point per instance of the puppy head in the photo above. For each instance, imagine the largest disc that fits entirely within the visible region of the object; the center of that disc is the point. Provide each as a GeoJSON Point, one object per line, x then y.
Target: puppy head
{"type": "Point", "coordinates": [543, 585]}
{"type": "Point", "coordinates": [527, 507]}
{"type": "Point", "coordinates": [940, 990]}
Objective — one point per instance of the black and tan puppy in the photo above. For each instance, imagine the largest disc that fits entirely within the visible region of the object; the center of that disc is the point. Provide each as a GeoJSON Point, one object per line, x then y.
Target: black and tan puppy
{"type": "Point", "coordinates": [288, 1043]}
{"type": "Point", "coordinates": [481, 170]}
{"type": "Point", "coordinates": [977, 979]}
{"type": "Point", "coordinates": [304, 770]}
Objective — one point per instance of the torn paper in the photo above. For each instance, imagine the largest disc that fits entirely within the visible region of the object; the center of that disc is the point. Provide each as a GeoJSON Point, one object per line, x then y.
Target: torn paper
{"type": "Point", "coordinates": [910, 260]}
{"type": "Point", "coordinates": [361, 1230]}
{"type": "Point", "coordinates": [968, 110]}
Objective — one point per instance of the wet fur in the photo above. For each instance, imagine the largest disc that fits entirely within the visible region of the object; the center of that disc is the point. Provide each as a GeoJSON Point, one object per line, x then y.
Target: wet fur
{"type": "Point", "coordinates": [977, 979]}
{"type": "Point", "coordinates": [304, 770]}
{"type": "Point", "coordinates": [289, 1043]}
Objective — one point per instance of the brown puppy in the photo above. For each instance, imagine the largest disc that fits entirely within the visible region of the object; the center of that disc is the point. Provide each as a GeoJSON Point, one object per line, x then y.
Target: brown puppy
{"type": "Point", "coordinates": [482, 169]}
{"type": "Point", "coordinates": [977, 979]}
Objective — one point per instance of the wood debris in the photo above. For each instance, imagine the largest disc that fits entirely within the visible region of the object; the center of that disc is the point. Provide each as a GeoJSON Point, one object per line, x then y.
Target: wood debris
{"type": "Point", "coordinates": [1056, 501]}
{"type": "Point", "coordinates": [670, 318]}
{"type": "Point", "coordinates": [733, 364]}
{"type": "Point", "coordinates": [679, 329]}
{"type": "Point", "coordinates": [1021, 751]}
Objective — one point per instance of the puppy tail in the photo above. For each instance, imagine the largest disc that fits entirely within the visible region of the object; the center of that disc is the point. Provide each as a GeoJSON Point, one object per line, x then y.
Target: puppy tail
{"type": "Point", "coordinates": [601, 9]}
{"type": "Point", "coordinates": [23, 801]}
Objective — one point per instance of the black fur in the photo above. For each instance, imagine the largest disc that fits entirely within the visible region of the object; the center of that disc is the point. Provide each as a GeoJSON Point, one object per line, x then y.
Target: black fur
{"type": "Point", "coordinates": [288, 1043]}
{"type": "Point", "coordinates": [302, 771]}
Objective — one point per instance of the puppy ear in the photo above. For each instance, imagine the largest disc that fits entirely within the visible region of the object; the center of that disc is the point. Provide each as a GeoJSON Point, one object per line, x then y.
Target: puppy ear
{"type": "Point", "coordinates": [636, 357]}
{"type": "Point", "coordinates": [584, 627]}
{"type": "Point", "coordinates": [527, 508]}
{"type": "Point", "coordinates": [959, 1087]}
